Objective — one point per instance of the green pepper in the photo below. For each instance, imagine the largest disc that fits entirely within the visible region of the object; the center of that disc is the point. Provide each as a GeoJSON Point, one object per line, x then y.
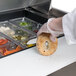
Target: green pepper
{"type": "Point", "coordinates": [27, 25]}
{"type": "Point", "coordinates": [24, 24]}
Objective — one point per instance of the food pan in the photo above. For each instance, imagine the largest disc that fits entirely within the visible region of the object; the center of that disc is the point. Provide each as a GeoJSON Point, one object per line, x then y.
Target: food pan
{"type": "Point", "coordinates": [27, 23]}
{"type": "Point", "coordinates": [15, 33]}
{"type": "Point", "coordinates": [7, 46]}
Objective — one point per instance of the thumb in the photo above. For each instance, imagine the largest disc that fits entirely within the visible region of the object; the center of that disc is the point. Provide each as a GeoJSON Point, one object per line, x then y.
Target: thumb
{"type": "Point", "coordinates": [53, 38]}
{"type": "Point", "coordinates": [39, 32]}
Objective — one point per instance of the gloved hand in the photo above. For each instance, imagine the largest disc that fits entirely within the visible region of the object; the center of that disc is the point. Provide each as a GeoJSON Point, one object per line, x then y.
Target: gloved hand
{"type": "Point", "coordinates": [52, 26]}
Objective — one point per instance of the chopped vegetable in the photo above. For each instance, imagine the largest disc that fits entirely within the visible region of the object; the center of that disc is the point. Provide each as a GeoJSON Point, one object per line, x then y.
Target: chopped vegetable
{"type": "Point", "coordinates": [30, 45]}
{"type": "Point", "coordinates": [24, 24]}
{"type": "Point", "coordinates": [12, 51]}
{"type": "Point", "coordinates": [3, 41]}
{"type": "Point", "coordinates": [19, 37]}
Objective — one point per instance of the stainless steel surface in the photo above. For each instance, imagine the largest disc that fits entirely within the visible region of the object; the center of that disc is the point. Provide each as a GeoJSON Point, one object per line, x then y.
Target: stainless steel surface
{"type": "Point", "coordinates": [12, 4]}
{"type": "Point", "coordinates": [53, 12]}
{"type": "Point", "coordinates": [36, 2]}
{"type": "Point", "coordinates": [42, 5]}
{"type": "Point", "coordinates": [16, 4]}
{"type": "Point", "coordinates": [69, 70]}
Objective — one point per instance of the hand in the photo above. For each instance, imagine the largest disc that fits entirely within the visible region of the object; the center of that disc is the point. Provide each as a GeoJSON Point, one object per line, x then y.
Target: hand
{"type": "Point", "coordinates": [52, 26]}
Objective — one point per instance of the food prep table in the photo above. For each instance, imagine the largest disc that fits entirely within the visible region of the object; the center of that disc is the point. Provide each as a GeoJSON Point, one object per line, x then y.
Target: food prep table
{"type": "Point", "coordinates": [28, 61]}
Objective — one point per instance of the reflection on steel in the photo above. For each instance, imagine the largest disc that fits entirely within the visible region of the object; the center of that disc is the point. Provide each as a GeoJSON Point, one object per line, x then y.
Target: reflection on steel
{"type": "Point", "coordinates": [6, 5]}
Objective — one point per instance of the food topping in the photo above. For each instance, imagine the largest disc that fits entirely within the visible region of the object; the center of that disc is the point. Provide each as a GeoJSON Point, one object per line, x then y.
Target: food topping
{"type": "Point", "coordinates": [7, 30]}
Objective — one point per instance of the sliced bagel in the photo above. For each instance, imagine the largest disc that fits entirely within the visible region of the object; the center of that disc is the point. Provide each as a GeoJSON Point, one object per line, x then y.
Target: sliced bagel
{"type": "Point", "coordinates": [45, 46]}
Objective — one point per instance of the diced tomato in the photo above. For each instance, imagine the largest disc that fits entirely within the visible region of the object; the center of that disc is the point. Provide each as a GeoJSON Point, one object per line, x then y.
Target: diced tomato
{"type": "Point", "coordinates": [3, 41]}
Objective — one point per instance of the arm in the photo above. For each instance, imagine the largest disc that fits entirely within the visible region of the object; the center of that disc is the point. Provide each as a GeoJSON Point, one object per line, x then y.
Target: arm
{"type": "Point", "coordinates": [69, 27]}
{"type": "Point", "coordinates": [65, 24]}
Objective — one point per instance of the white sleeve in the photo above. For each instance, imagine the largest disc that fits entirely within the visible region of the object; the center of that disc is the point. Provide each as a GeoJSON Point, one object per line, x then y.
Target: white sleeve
{"type": "Point", "coordinates": [69, 27]}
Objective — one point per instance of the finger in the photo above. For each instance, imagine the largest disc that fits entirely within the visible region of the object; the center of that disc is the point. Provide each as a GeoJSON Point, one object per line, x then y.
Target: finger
{"type": "Point", "coordinates": [39, 32]}
{"type": "Point", "coordinates": [42, 29]}
{"type": "Point", "coordinates": [53, 38]}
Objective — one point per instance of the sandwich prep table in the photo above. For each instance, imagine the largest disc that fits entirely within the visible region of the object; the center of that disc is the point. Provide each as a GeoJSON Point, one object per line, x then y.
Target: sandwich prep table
{"type": "Point", "coordinates": [20, 20]}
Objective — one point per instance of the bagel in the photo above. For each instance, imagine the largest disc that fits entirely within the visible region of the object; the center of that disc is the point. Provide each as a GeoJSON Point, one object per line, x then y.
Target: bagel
{"type": "Point", "coordinates": [45, 46]}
